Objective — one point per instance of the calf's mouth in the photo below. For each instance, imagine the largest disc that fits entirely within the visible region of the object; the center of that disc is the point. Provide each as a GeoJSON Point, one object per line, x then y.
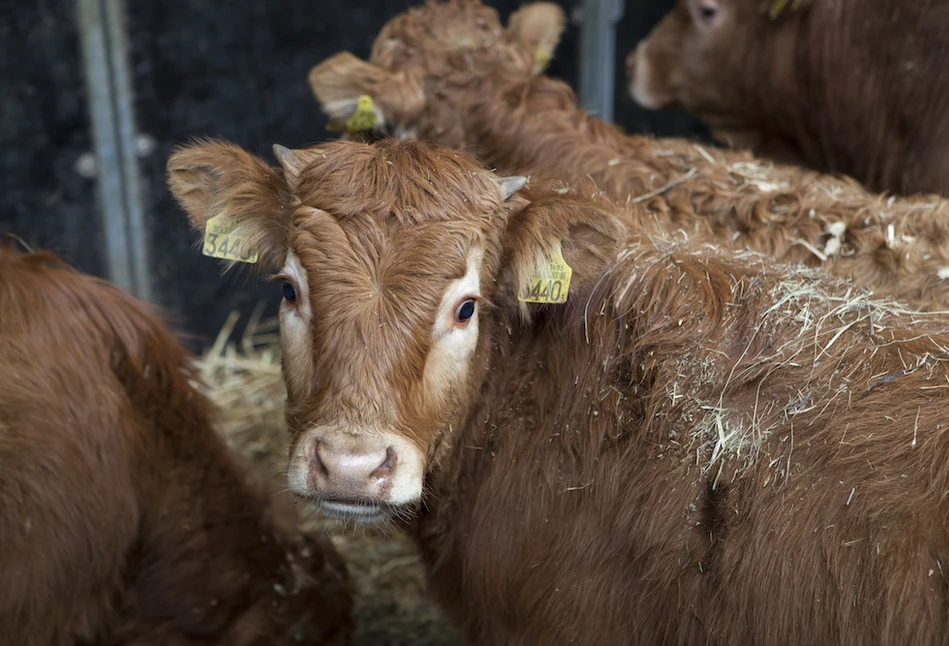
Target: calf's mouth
{"type": "Point", "coordinates": [363, 511]}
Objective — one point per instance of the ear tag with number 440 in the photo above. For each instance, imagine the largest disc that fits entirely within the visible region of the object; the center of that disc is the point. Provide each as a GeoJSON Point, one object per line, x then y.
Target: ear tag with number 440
{"type": "Point", "coordinates": [223, 239]}
{"type": "Point", "coordinates": [551, 283]}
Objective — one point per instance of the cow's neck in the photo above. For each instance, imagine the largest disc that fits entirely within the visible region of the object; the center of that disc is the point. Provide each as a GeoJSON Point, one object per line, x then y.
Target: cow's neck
{"type": "Point", "coordinates": [529, 388]}
{"type": "Point", "coordinates": [900, 119]}
{"type": "Point", "coordinates": [533, 433]}
{"type": "Point", "coordinates": [532, 126]}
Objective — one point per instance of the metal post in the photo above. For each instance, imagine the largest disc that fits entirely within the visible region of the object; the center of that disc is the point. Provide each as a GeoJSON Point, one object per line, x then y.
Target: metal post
{"type": "Point", "coordinates": [598, 55]}
{"type": "Point", "coordinates": [108, 87]}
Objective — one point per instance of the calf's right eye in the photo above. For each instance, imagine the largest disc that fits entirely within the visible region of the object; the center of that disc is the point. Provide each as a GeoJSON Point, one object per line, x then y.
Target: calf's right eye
{"type": "Point", "coordinates": [465, 311]}
{"type": "Point", "coordinates": [289, 292]}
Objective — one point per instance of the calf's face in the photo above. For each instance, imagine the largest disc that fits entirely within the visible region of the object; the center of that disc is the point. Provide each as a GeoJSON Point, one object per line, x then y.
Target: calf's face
{"type": "Point", "coordinates": [387, 256]}
{"type": "Point", "coordinates": [704, 56]}
{"type": "Point", "coordinates": [375, 378]}
{"type": "Point", "coordinates": [423, 57]}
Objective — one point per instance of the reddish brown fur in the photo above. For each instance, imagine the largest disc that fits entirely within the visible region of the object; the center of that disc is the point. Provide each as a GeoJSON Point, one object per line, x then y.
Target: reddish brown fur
{"type": "Point", "coordinates": [852, 86]}
{"type": "Point", "coordinates": [700, 447]}
{"type": "Point", "coordinates": [477, 94]}
{"type": "Point", "coordinates": [125, 518]}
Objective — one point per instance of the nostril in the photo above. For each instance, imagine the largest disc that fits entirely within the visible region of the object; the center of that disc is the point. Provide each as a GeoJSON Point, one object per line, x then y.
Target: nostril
{"type": "Point", "coordinates": [316, 461]}
{"type": "Point", "coordinates": [387, 465]}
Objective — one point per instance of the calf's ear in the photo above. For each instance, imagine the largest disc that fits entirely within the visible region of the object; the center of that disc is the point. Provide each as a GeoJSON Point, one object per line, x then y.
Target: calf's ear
{"type": "Point", "coordinates": [537, 27]}
{"type": "Point", "coordinates": [361, 97]}
{"type": "Point", "coordinates": [554, 248]}
{"type": "Point", "coordinates": [238, 203]}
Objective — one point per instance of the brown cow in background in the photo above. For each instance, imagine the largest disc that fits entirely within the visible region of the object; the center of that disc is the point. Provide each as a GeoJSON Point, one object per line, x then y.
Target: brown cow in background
{"type": "Point", "coordinates": [673, 443]}
{"type": "Point", "coordinates": [124, 518]}
{"type": "Point", "coordinates": [450, 72]}
{"type": "Point", "coordinates": [859, 87]}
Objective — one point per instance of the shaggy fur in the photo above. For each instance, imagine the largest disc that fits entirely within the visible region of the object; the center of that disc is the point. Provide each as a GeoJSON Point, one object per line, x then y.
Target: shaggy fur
{"type": "Point", "coordinates": [701, 446]}
{"type": "Point", "coordinates": [125, 517]}
{"type": "Point", "coordinates": [472, 88]}
{"type": "Point", "coordinates": [850, 86]}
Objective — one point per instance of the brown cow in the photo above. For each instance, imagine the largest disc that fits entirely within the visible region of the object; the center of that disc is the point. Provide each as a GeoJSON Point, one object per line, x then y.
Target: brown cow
{"type": "Point", "coordinates": [124, 517]}
{"type": "Point", "coordinates": [698, 446]}
{"type": "Point", "coordinates": [448, 71]}
{"type": "Point", "coordinates": [852, 86]}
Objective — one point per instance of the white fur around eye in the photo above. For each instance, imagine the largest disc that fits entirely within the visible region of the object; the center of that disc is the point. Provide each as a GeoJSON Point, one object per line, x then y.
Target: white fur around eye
{"type": "Point", "coordinates": [452, 343]}
{"type": "Point", "coordinates": [301, 308]}
{"type": "Point", "coordinates": [705, 13]}
{"type": "Point", "coordinates": [295, 338]}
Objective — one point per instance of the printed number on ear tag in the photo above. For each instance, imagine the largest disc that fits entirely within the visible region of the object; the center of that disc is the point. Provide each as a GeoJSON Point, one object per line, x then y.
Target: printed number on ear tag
{"type": "Point", "coordinates": [224, 240]}
{"type": "Point", "coordinates": [551, 283]}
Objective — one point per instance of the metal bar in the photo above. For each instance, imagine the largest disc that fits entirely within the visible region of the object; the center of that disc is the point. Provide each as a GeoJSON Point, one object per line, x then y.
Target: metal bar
{"type": "Point", "coordinates": [598, 56]}
{"type": "Point", "coordinates": [99, 96]}
{"type": "Point", "coordinates": [125, 123]}
{"type": "Point", "coordinates": [107, 88]}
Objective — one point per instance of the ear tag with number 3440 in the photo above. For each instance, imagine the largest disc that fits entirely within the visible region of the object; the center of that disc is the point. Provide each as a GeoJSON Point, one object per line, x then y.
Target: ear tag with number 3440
{"type": "Point", "coordinates": [224, 240]}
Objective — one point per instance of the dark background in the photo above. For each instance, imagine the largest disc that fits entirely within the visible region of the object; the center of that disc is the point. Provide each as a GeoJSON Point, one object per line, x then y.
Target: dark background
{"type": "Point", "coordinates": [234, 70]}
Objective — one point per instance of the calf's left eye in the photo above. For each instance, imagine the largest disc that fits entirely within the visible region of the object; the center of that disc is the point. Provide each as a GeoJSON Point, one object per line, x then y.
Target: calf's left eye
{"type": "Point", "coordinates": [708, 10]}
{"type": "Point", "coordinates": [465, 310]}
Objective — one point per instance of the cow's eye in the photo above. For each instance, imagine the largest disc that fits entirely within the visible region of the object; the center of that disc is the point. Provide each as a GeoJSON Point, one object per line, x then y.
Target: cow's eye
{"type": "Point", "coordinates": [465, 311]}
{"type": "Point", "coordinates": [289, 292]}
{"type": "Point", "coordinates": [707, 11]}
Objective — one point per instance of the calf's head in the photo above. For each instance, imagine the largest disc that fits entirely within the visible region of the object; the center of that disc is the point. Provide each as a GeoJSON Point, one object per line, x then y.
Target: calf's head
{"type": "Point", "coordinates": [708, 56]}
{"type": "Point", "coordinates": [425, 62]}
{"type": "Point", "coordinates": [391, 258]}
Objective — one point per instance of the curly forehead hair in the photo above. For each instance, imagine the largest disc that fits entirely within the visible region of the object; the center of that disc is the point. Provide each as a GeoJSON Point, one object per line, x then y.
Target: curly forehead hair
{"type": "Point", "coordinates": [413, 181]}
{"type": "Point", "coordinates": [453, 28]}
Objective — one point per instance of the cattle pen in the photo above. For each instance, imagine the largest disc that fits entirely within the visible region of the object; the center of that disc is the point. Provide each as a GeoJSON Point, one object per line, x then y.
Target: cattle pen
{"type": "Point", "coordinates": [107, 89]}
{"type": "Point", "coordinates": [97, 95]}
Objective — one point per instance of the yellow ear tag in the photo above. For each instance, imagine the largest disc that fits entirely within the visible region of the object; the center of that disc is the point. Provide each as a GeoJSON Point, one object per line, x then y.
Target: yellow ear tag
{"type": "Point", "coordinates": [364, 118]}
{"type": "Point", "coordinates": [541, 60]}
{"type": "Point", "coordinates": [776, 7]}
{"type": "Point", "coordinates": [550, 284]}
{"type": "Point", "coordinates": [223, 240]}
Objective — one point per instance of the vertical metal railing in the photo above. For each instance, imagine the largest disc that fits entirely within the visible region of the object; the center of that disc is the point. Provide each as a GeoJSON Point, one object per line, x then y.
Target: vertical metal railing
{"type": "Point", "coordinates": [109, 91]}
{"type": "Point", "coordinates": [598, 56]}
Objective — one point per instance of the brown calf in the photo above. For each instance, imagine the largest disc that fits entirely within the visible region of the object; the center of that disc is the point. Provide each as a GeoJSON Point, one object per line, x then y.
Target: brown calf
{"type": "Point", "coordinates": [698, 446]}
{"type": "Point", "coordinates": [124, 518]}
{"type": "Point", "coordinates": [852, 86]}
{"type": "Point", "coordinates": [448, 71]}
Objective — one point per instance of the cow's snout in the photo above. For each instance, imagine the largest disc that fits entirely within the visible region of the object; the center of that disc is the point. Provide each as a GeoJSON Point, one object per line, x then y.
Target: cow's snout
{"type": "Point", "coordinates": [648, 90]}
{"type": "Point", "coordinates": [360, 476]}
{"type": "Point", "coordinates": [352, 473]}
